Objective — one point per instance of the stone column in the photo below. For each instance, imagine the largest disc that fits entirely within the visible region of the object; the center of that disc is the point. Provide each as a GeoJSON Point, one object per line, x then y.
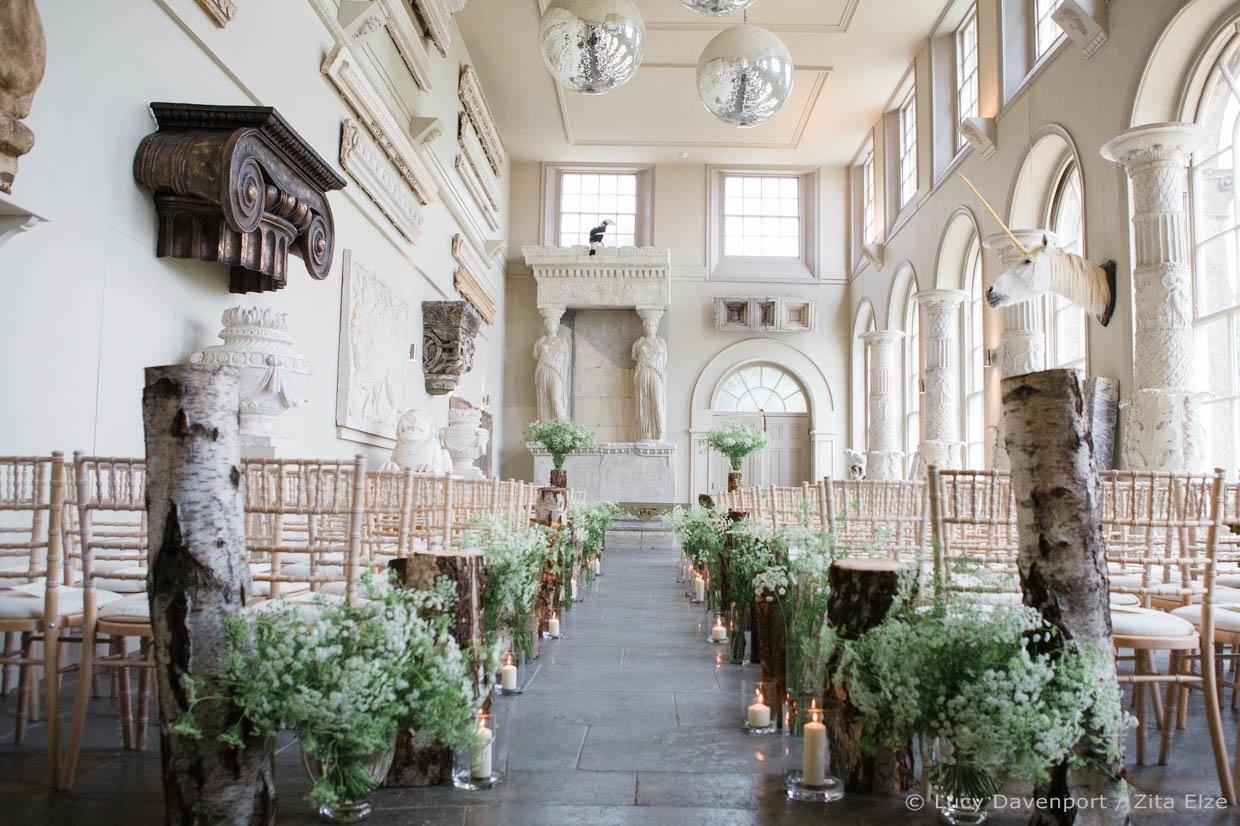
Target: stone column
{"type": "Point", "coordinates": [940, 407]}
{"type": "Point", "coordinates": [1022, 347]}
{"type": "Point", "coordinates": [884, 459]}
{"type": "Point", "coordinates": [1164, 427]}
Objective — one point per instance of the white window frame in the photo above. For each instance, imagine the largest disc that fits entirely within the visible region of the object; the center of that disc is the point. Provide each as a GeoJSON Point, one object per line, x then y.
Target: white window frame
{"type": "Point", "coordinates": [974, 357]}
{"type": "Point", "coordinates": [869, 211]}
{"type": "Point", "coordinates": [553, 175]}
{"type": "Point", "coordinates": [911, 422]}
{"type": "Point", "coordinates": [1056, 309]}
{"type": "Point", "coordinates": [907, 160]}
{"type": "Point", "coordinates": [799, 269]}
{"type": "Point", "coordinates": [967, 77]}
{"type": "Point", "coordinates": [1042, 11]}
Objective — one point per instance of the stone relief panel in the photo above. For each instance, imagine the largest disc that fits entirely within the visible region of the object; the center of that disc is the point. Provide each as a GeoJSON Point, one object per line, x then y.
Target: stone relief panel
{"type": "Point", "coordinates": [374, 352]}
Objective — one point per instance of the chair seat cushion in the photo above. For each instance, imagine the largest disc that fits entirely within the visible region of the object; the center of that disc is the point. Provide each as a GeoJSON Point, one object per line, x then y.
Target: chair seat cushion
{"type": "Point", "coordinates": [1171, 590]}
{"type": "Point", "coordinates": [1226, 616]}
{"type": "Point", "coordinates": [20, 604]}
{"type": "Point", "coordinates": [262, 588]}
{"type": "Point", "coordinates": [1131, 621]}
{"type": "Point", "coordinates": [1125, 599]}
{"type": "Point", "coordinates": [303, 569]}
{"type": "Point", "coordinates": [133, 608]}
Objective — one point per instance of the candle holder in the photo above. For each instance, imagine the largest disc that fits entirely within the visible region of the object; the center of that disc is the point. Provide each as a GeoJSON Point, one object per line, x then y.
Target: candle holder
{"type": "Point", "coordinates": [575, 588]}
{"type": "Point", "coordinates": [807, 780]}
{"type": "Point", "coordinates": [555, 628]}
{"type": "Point", "coordinates": [759, 716]}
{"type": "Point", "coordinates": [474, 765]}
{"type": "Point", "coordinates": [509, 683]}
{"type": "Point", "coordinates": [718, 631]}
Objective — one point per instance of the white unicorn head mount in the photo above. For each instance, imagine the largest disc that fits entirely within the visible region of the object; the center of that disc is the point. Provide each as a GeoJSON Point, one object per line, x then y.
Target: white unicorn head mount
{"type": "Point", "coordinates": [1047, 268]}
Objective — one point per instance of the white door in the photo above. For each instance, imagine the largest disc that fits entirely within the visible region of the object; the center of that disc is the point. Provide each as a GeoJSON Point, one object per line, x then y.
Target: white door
{"type": "Point", "coordinates": [770, 399]}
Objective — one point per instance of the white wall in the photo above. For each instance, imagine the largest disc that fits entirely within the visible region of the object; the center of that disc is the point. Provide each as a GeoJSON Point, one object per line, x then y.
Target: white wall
{"type": "Point", "coordinates": [680, 204]}
{"type": "Point", "coordinates": [86, 304]}
{"type": "Point", "coordinates": [1090, 99]}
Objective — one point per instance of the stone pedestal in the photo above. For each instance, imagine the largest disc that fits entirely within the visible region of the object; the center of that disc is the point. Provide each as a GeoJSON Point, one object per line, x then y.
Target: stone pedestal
{"type": "Point", "coordinates": [1165, 427]}
{"type": "Point", "coordinates": [940, 328]}
{"type": "Point", "coordinates": [618, 471]}
{"type": "Point", "coordinates": [259, 342]}
{"type": "Point", "coordinates": [465, 439]}
{"type": "Point", "coordinates": [884, 459]}
{"type": "Point", "coordinates": [1022, 348]}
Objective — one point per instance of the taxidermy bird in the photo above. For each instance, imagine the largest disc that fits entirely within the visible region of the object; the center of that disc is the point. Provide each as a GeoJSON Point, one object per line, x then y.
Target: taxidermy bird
{"type": "Point", "coordinates": [596, 235]}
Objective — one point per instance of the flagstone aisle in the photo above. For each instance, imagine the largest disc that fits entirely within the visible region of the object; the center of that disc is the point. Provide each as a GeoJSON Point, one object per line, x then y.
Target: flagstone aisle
{"type": "Point", "coordinates": [631, 718]}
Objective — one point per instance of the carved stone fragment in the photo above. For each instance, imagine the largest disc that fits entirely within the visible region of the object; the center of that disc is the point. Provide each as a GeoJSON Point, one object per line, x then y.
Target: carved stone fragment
{"type": "Point", "coordinates": [448, 330]}
{"type": "Point", "coordinates": [23, 56]}
{"type": "Point", "coordinates": [236, 184]}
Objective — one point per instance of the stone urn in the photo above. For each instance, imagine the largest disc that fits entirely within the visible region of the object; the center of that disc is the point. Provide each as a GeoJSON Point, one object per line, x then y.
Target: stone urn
{"type": "Point", "coordinates": [465, 439]}
{"type": "Point", "coordinates": [273, 377]}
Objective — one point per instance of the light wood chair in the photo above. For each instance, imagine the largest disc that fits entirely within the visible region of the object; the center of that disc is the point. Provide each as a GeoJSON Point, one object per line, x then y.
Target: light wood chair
{"type": "Point", "coordinates": [974, 536]}
{"type": "Point", "coordinates": [110, 517]}
{"type": "Point", "coordinates": [874, 518]}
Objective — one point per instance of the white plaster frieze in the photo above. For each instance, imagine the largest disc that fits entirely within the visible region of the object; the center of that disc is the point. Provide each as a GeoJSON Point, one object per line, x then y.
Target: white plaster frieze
{"type": "Point", "coordinates": [343, 69]}
{"type": "Point", "coordinates": [614, 449]}
{"type": "Point", "coordinates": [436, 18]}
{"type": "Point", "coordinates": [360, 17]}
{"type": "Point", "coordinates": [378, 178]}
{"type": "Point", "coordinates": [1084, 21]}
{"type": "Point", "coordinates": [478, 111]}
{"type": "Point", "coordinates": [220, 11]}
{"type": "Point", "coordinates": [616, 277]}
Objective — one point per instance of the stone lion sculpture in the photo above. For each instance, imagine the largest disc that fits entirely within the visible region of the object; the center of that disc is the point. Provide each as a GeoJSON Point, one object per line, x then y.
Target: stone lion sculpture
{"type": "Point", "coordinates": [417, 445]}
{"type": "Point", "coordinates": [856, 464]}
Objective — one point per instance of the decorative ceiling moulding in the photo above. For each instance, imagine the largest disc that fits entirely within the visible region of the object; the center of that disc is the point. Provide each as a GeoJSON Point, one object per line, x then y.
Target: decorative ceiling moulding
{"type": "Point", "coordinates": [220, 11]}
{"type": "Point", "coordinates": [706, 24]}
{"type": "Point", "coordinates": [343, 69]}
{"type": "Point", "coordinates": [617, 277]}
{"type": "Point", "coordinates": [436, 19]}
{"type": "Point", "coordinates": [1085, 21]}
{"type": "Point", "coordinates": [766, 315]}
{"type": "Point", "coordinates": [360, 17]}
{"type": "Point", "coordinates": [362, 158]}
{"type": "Point", "coordinates": [448, 331]}
{"type": "Point", "coordinates": [470, 279]}
{"type": "Point", "coordinates": [236, 184]}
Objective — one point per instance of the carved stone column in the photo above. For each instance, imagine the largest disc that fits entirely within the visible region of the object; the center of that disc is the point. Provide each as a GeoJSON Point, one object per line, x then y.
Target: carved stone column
{"type": "Point", "coordinates": [1022, 347]}
{"type": "Point", "coordinates": [884, 458]}
{"type": "Point", "coordinates": [650, 377]}
{"type": "Point", "coordinates": [940, 407]}
{"type": "Point", "coordinates": [1165, 428]}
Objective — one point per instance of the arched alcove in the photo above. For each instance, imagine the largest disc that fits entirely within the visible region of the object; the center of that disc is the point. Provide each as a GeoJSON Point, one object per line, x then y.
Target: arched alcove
{"type": "Point", "coordinates": [905, 279]}
{"type": "Point", "coordinates": [959, 237]}
{"type": "Point", "coordinates": [858, 381]}
{"type": "Point", "coordinates": [758, 351]}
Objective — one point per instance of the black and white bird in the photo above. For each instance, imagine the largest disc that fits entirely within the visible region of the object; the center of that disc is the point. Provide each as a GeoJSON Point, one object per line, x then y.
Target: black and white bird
{"type": "Point", "coordinates": [596, 235]}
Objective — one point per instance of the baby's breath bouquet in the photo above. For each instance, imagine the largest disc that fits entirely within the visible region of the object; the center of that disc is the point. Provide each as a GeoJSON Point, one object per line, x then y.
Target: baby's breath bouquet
{"type": "Point", "coordinates": [559, 437]}
{"type": "Point", "coordinates": [345, 678]}
{"type": "Point", "coordinates": [701, 532]}
{"type": "Point", "coordinates": [590, 522]}
{"type": "Point", "coordinates": [736, 441]}
{"type": "Point", "coordinates": [515, 559]}
{"type": "Point", "coordinates": [993, 696]}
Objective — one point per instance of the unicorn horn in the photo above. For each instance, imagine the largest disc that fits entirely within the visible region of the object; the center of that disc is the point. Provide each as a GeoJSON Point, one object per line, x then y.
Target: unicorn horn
{"type": "Point", "coordinates": [994, 214]}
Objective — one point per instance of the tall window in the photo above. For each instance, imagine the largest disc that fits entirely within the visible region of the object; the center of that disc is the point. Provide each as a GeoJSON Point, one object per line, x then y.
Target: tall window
{"type": "Point", "coordinates": [1216, 277]}
{"type": "Point", "coordinates": [974, 361]}
{"type": "Point", "coordinates": [762, 216]}
{"type": "Point", "coordinates": [908, 149]}
{"type": "Point", "coordinates": [867, 196]}
{"type": "Point", "coordinates": [1068, 327]}
{"type": "Point", "coordinates": [763, 388]}
{"type": "Point", "coordinates": [966, 72]}
{"type": "Point", "coordinates": [912, 374]}
{"type": "Point", "coordinates": [587, 199]}
{"type": "Point", "coordinates": [1045, 30]}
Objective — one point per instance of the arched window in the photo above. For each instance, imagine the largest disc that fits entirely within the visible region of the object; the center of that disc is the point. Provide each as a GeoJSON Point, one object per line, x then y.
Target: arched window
{"type": "Point", "coordinates": [762, 388]}
{"type": "Point", "coordinates": [1067, 325]}
{"type": "Point", "coordinates": [860, 402]}
{"type": "Point", "coordinates": [974, 361]}
{"type": "Point", "coordinates": [912, 374]}
{"type": "Point", "coordinates": [1216, 223]}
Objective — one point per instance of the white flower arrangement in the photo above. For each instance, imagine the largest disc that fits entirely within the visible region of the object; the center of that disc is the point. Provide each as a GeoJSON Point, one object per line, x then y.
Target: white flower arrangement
{"type": "Point", "coordinates": [736, 441]}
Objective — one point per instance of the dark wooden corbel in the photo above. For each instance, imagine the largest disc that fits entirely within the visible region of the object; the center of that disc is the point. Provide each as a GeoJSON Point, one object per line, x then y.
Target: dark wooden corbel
{"type": "Point", "coordinates": [236, 184]}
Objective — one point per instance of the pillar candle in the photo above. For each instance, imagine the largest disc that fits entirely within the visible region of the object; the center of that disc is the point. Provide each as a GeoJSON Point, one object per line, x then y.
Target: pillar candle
{"type": "Point", "coordinates": [553, 626]}
{"type": "Point", "coordinates": [719, 633]}
{"type": "Point", "coordinates": [699, 590]}
{"type": "Point", "coordinates": [508, 677]}
{"type": "Point", "coordinates": [594, 566]}
{"type": "Point", "coordinates": [814, 762]}
{"type": "Point", "coordinates": [574, 590]}
{"type": "Point", "coordinates": [480, 764]}
{"type": "Point", "coordinates": [759, 715]}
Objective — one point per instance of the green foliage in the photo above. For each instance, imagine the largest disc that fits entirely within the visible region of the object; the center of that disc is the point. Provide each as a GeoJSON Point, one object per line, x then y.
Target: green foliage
{"type": "Point", "coordinates": [515, 560]}
{"type": "Point", "coordinates": [560, 437]}
{"type": "Point", "coordinates": [736, 441]}
{"type": "Point", "coordinates": [701, 531]}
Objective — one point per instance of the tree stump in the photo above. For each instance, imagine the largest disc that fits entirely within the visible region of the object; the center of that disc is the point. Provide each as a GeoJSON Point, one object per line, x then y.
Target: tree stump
{"type": "Point", "coordinates": [861, 594]}
{"type": "Point", "coordinates": [772, 647]}
{"type": "Point", "coordinates": [198, 578]}
{"type": "Point", "coordinates": [1063, 568]}
{"type": "Point", "coordinates": [417, 763]}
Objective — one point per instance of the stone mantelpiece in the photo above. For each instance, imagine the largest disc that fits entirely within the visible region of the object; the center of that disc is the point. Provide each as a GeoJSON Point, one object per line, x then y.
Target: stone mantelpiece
{"type": "Point", "coordinates": [617, 277]}
{"type": "Point", "coordinates": [617, 471]}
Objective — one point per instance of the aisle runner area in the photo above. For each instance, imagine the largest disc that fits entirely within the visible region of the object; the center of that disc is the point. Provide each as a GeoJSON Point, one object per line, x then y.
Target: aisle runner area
{"type": "Point", "coordinates": [631, 718]}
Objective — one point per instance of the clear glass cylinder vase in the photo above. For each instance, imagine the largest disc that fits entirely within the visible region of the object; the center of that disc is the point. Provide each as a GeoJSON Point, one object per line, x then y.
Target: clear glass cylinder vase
{"type": "Point", "coordinates": [963, 793]}
{"type": "Point", "coordinates": [348, 777]}
{"type": "Point", "coordinates": [478, 764]}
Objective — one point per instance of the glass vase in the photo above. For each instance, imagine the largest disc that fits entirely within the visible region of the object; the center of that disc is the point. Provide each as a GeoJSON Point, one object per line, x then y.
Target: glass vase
{"type": "Point", "coordinates": [807, 778]}
{"type": "Point", "coordinates": [739, 651]}
{"type": "Point", "coordinates": [476, 765]}
{"type": "Point", "coordinates": [350, 769]}
{"type": "Point", "coordinates": [759, 712]}
{"type": "Point", "coordinates": [961, 792]}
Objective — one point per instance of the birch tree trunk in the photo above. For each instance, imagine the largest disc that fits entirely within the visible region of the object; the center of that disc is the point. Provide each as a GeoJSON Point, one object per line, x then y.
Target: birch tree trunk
{"type": "Point", "coordinates": [1063, 567]}
{"type": "Point", "coordinates": [860, 596]}
{"type": "Point", "coordinates": [198, 577]}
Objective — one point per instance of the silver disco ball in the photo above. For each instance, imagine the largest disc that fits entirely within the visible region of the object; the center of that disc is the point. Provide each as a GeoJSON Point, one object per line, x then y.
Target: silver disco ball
{"type": "Point", "coordinates": [716, 7]}
{"type": "Point", "coordinates": [745, 76]}
{"type": "Point", "coordinates": [592, 46]}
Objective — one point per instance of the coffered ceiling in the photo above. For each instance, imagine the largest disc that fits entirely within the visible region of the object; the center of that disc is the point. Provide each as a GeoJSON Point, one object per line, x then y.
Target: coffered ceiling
{"type": "Point", "coordinates": [850, 55]}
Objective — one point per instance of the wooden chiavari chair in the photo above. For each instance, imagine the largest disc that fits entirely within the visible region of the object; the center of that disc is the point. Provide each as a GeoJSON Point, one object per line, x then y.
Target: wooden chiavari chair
{"type": "Point", "coordinates": [32, 498]}
{"type": "Point", "coordinates": [1169, 525]}
{"type": "Point", "coordinates": [875, 518]}
{"type": "Point", "coordinates": [973, 533]}
{"type": "Point", "coordinates": [110, 517]}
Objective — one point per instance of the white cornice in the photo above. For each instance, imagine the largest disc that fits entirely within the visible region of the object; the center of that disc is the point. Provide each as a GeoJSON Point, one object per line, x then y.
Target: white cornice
{"type": "Point", "coordinates": [358, 17]}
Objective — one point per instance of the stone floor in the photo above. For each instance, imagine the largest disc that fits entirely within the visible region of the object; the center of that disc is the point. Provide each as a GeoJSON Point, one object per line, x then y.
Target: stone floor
{"type": "Point", "coordinates": [631, 718]}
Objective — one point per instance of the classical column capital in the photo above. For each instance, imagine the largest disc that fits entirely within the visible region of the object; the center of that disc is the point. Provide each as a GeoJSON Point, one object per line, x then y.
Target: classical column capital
{"type": "Point", "coordinates": [1001, 243]}
{"type": "Point", "coordinates": [1155, 142]}
{"type": "Point", "coordinates": [876, 338]}
{"type": "Point", "coordinates": [945, 299]}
